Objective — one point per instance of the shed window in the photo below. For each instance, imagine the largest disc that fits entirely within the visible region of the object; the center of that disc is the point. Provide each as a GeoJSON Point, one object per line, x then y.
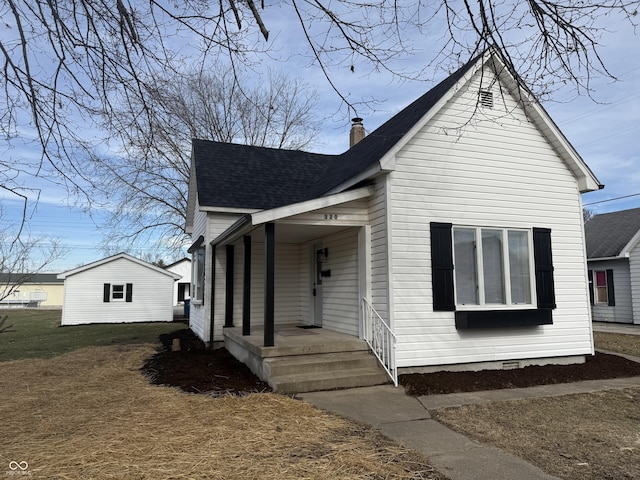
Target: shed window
{"type": "Point", "coordinates": [117, 292]}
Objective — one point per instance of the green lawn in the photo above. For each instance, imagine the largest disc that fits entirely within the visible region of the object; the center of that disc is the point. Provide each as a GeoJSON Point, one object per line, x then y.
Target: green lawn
{"type": "Point", "coordinates": [38, 334]}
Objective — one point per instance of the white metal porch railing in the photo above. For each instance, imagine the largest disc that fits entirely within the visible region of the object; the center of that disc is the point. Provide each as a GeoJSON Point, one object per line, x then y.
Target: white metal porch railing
{"type": "Point", "coordinates": [381, 339]}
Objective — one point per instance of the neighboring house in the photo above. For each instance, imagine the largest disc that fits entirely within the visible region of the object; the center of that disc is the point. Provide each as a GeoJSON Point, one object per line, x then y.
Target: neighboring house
{"type": "Point", "coordinates": [613, 260]}
{"type": "Point", "coordinates": [31, 291]}
{"type": "Point", "coordinates": [117, 289]}
{"type": "Point", "coordinates": [458, 223]}
{"type": "Point", "coordinates": [182, 288]}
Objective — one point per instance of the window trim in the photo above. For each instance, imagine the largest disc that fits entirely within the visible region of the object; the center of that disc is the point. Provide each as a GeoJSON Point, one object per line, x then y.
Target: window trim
{"type": "Point", "coordinates": [482, 305]}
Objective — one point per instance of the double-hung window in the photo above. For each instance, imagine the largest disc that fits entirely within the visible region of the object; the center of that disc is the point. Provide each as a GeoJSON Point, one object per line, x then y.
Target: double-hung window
{"type": "Point", "coordinates": [493, 267]}
{"type": "Point", "coordinates": [492, 277]}
{"type": "Point", "coordinates": [602, 291]}
{"type": "Point", "coordinates": [117, 292]}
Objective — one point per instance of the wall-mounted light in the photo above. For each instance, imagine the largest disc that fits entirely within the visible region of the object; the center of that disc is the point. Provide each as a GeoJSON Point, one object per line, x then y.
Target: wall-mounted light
{"type": "Point", "coordinates": [322, 255]}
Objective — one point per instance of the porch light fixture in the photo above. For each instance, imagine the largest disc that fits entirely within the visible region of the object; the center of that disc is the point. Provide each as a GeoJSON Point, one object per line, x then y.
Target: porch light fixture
{"type": "Point", "coordinates": [322, 255]}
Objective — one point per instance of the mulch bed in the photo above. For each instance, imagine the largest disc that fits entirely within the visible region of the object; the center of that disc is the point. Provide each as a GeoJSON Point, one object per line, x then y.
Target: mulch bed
{"type": "Point", "coordinates": [195, 369]}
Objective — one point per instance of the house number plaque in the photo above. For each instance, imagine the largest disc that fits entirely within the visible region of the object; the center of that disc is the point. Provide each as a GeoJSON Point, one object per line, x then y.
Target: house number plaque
{"type": "Point", "coordinates": [331, 216]}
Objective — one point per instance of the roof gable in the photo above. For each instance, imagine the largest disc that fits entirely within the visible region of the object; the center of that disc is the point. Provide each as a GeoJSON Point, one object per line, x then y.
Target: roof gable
{"type": "Point", "coordinates": [113, 258]}
{"type": "Point", "coordinates": [612, 234]}
{"type": "Point", "coordinates": [240, 176]}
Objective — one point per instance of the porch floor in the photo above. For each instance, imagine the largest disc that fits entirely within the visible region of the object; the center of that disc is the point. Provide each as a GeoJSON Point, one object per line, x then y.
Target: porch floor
{"type": "Point", "coordinates": [306, 359]}
{"type": "Point", "coordinates": [294, 340]}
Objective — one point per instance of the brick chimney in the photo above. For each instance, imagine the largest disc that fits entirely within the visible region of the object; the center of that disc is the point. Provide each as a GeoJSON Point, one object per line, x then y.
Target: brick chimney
{"type": "Point", "coordinates": [357, 132]}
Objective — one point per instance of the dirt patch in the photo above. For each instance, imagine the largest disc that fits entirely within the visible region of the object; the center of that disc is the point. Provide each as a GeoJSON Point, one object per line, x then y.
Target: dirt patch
{"type": "Point", "coordinates": [198, 370]}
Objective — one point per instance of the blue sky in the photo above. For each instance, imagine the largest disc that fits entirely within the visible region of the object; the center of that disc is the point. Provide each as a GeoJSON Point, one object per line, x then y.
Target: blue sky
{"type": "Point", "coordinates": [605, 131]}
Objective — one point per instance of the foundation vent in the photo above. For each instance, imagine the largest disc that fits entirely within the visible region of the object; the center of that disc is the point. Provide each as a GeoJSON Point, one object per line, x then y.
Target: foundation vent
{"type": "Point", "coordinates": [510, 365]}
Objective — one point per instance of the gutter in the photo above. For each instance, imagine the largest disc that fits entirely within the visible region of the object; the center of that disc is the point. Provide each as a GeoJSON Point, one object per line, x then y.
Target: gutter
{"type": "Point", "coordinates": [234, 230]}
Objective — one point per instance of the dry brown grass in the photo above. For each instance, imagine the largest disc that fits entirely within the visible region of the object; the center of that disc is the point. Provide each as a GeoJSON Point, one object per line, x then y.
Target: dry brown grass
{"type": "Point", "coordinates": [576, 437]}
{"type": "Point", "coordinates": [615, 342]}
{"type": "Point", "coordinates": [91, 414]}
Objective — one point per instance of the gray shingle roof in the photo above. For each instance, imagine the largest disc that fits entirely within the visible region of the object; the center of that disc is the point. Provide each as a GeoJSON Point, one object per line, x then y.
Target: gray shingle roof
{"type": "Point", "coordinates": [608, 233]}
{"type": "Point", "coordinates": [240, 176]}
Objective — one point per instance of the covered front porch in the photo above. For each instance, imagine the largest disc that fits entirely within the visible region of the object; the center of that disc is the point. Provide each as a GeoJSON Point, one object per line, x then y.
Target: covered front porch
{"type": "Point", "coordinates": [305, 359]}
{"type": "Point", "coordinates": [289, 287]}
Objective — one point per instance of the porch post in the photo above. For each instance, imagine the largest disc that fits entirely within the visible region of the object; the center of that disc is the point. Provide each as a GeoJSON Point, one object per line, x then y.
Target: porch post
{"type": "Point", "coordinates": [228, 306]}
{"type": "Point", "coordinates": [246, 288]}
{"type": "Point", "coordinates": [213, 295]}
{"type": "Point", "coordinates": [269, 277]}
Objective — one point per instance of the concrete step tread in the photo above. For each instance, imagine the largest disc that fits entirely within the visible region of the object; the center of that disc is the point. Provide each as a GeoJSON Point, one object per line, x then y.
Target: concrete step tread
{"type": "Point", "coordinates": [320, 358]}
{"type": "Point", "coordinates": [308, 382]}
{"type": "Point", "coordinates": [354, 372]}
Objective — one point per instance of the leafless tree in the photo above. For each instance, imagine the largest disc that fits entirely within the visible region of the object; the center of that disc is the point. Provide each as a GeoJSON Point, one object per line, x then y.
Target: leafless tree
{"type": "Point", "coordinates": [145, 185]}
{"type": "Point", "coordinates": [22, 256]}
{"type": "Point", "coordinates": [67, 60]}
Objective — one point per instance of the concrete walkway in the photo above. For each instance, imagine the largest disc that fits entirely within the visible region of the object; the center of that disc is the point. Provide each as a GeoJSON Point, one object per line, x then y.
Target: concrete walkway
{"type": "Point", "coordinates": [407, 421]}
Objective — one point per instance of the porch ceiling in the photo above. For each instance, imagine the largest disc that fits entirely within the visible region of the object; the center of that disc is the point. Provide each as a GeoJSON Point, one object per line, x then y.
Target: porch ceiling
{"type": "Point", "coordinates": [296, 233]}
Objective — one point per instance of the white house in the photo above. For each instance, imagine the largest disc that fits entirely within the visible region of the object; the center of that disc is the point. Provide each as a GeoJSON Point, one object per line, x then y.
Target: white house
{"type": "Point", "coordinates": [451, 237]}
{"type": "Point", "coordinates": [182, 288]}
{"type": "Point", "coordinates": [613, 258]}
{"type": "Point", "coordinates": [117, 289]}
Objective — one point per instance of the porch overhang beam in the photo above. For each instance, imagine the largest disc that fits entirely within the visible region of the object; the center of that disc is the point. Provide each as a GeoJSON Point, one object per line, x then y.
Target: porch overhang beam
{"type": "Point", "coordinates": [241, 227]}
{"type": "Point", "coordinates": [280, 213]}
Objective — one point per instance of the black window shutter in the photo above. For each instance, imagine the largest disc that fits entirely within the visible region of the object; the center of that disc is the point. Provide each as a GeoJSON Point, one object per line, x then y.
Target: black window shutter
{"type": "Point", "coordinates": [106, 292]}
{"type": "Point", "coordinates": [591, 292]}
{"type": "Point", "coordinates": [611, 296]}
{"type": "Point", "coordinates": [543, 259]}
{"type": "Point", "coordinates": [442, 267]}
{"type": "Point", "coordinates": [129, 294]}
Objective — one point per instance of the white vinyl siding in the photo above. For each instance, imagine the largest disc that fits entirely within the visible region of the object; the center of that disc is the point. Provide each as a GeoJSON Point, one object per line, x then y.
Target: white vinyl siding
{"type": "Point", "coordinates": [293, 286]}
{"type": "Point", "coordinates": [494, 170]}
{"type": "Point", "coordinates": [379, 250]}
{"type": "Point", "coordinates": [152, 299]}
{"type": "Point", "coordinates": [210, 225]}
{"type": "Point", "coordinates": [289, 291]}
{"type": "Point", "coordinates": [340, 310]}
{"type": "Point", "coordinates": [622, 311]}
{"type": "Point", "coordinates": [634, 274]}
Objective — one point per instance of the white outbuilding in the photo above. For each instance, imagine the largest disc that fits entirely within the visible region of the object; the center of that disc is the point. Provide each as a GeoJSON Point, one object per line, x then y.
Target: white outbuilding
{"type": "Point", "coordinates": [118, 289]}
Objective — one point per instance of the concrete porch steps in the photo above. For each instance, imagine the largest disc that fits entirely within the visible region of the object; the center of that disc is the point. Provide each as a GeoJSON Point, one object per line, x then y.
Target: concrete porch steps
{"type": "Point", "coordinates": [310, 373]}
{"type": "Point", "coordinates": [306, 361]}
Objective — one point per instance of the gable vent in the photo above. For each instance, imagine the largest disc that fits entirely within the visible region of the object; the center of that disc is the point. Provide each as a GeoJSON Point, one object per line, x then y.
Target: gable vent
{"type": "Point", "coordinates": [486, 98]}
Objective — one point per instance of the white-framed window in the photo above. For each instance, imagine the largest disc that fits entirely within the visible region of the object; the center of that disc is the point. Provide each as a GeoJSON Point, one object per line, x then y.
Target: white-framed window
{"type": "Point", "coordinates": [117, 292]}
{"type": "Point", "coordinates": [602, 291]}
{"type": "Point", "coordinates": [198, 274]}
{"type": "Point", "coordinates": [493, 267]}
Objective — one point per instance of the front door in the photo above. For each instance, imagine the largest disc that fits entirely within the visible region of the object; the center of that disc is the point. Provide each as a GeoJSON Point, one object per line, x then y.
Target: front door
{"type": "Point", "coordinates": [318, 261]}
